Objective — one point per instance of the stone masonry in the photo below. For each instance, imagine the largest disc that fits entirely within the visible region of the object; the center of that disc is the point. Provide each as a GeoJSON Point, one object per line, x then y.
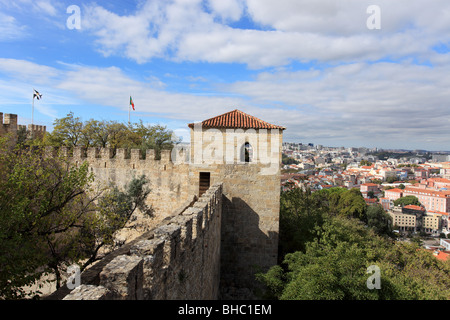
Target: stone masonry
{"type": "Point", "coordinates": [178, 260]}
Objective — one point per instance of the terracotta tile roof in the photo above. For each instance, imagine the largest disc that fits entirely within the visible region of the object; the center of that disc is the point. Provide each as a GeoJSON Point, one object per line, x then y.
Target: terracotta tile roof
{"type": "Point", "coordinates": [427, 192]}
{"type": "Point", "coordinates": [237, 119]}
{"type": "Point", "coordinates": [394, 190]}
{"type": "Point", "coordinates": [444, 256]}
{"type": "Point", "coordinates": [438, 212]}
{"type": "Point", "coordinates": [413, 207]}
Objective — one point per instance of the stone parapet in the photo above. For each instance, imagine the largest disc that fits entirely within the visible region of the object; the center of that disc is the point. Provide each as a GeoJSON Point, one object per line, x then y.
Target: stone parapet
{"type": "Point", "coordinates": [179, 259]}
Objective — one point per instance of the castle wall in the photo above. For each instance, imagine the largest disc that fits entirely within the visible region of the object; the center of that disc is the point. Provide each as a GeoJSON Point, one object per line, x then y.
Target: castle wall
{"type": "Point", "coordinates": [9, 124]}
{"type": "Point", "coordinates": [244, 236]}
{"type": "Point", "coordinates": [168, 182]}
{"type": "Point", "coordinates": [179, 259]}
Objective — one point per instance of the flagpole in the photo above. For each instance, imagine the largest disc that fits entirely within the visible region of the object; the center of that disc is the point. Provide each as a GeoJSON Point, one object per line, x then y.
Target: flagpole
{"type": "Point", "coordinates": [32, 110]}
{"type": "Point", "coordinates": [129, 108]}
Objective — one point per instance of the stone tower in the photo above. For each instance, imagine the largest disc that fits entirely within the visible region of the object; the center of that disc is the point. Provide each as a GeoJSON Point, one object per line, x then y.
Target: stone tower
{"type": "Point", "coordinates": [244, 153]}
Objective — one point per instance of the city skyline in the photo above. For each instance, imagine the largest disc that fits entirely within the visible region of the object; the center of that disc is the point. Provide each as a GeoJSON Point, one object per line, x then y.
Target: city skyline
{"type": "Point", "coordinates": [333, 73]}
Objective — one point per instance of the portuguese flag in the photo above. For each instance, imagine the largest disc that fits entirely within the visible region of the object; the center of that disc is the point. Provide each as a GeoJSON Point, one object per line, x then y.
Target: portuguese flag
{"type": "Point", "coordinates": [131, 103]}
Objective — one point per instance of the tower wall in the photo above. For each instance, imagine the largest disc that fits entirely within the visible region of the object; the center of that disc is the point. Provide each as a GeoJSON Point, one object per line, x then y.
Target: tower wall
{"type": "Point", "coordinates": [251, 198]}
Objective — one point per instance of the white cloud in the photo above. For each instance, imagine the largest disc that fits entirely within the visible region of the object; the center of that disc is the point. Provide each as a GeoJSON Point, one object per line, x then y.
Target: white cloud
{"type": "Point", "coordinates": [46, 7]}
{"type": "Point", "coordinates": [227, 10]}
{"type": "Point", "coordinates": [383, 103]}
{"type": "Point", "coordinates": [28, 71]}
{"type": "Point", "coordinates": [379, 104]}
{"type": "Point", "coordinates": [321, 30]}
{"type": "Point", "coordinates": [10, 29]}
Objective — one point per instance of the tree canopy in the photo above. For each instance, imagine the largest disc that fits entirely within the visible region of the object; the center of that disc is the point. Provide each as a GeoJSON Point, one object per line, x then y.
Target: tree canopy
{"type": "Point", "coordinates": [71, 131]}
{"type": "Point", "coordinates": [407, 200]}
{"type": "Point", "coordinates": [329, 239]}
{"type": "Point", "coordinates": [334, 266]}
{"type": "Point", "coordinates": [51, 215]}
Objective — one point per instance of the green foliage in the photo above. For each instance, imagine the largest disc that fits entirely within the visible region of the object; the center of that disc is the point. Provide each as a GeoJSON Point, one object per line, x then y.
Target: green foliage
{"type": "Point", "coordinates": [50, 216]}
{"type": "Point", "coordinates": [39, 199]}
{"type": "Point", "coordinates": [391, 179]}
{"type": "Point", "coordinates": [348, 203]}
{"type": "Point", "coordinates": [300, 212]}
{"type": "Point", "coordinates": [334, 267]}
{"type": "Point", "coordinates": [407, 200]}
{"type": "Point", "coordinates": [333, 239]}
{"type": "Point", "coordinates": [365, 163]}
{"type": "Point", "coordinates": [67, 131]}
{"type": "Point", "coordinates": [377, 181]}
{"type": "Point", "coordinates": [285, 159]}
{"type": "Point", "coordinates": [71, 131]}
{"type": "Point", "coordinates": [379, 220]}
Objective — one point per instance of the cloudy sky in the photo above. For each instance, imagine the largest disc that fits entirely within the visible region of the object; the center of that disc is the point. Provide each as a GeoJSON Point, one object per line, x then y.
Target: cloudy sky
{"type": "Point", "coordinates": [334, 72]}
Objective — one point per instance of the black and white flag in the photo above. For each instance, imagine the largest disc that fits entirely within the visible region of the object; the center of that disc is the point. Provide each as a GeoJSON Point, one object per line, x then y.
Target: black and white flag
{"type": "Point", "coordinates": [37, 94]}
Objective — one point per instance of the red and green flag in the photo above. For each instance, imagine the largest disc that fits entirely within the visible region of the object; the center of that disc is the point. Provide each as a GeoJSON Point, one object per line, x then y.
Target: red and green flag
{"type": "Point", "coordinates": [131, 103]}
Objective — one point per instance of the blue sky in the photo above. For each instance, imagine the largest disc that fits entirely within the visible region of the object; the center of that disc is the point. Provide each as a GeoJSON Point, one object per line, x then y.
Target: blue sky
{"type": "Point", "coordinates": [312, 66]}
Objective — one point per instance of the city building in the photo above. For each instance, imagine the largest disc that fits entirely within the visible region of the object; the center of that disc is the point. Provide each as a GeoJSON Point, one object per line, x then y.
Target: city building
{"type": "Point", "coordinates": [393, 194]}
{"type": "Point", "coordinates": [430, 199]}
{"type": "Point", "coordinates": [403, 221]}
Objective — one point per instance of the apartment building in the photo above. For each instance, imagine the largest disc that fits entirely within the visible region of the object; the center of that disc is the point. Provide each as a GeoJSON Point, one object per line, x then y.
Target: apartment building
{"type": "Point", "coordinates": [404, 221]}
{"type": "Point", "coordinates": [431, 223]}
{"type": "Point", "coordinates": [365, 188]}
{"type": "Point", "coordinates": [386, 203]}
{"type": "Point", "coordinates": [393, 194]}
{"type": "Point", "coordinates": [432, 200]}
{"type": "Point", "coordinates": [414, 218]}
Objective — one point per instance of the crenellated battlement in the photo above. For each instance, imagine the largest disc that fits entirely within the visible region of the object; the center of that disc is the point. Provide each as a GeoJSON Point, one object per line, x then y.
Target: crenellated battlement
{"type": "Point", "coordinates": [35, 128]}
{"type": "Point", "coordinates": [9, 124]}
{"type": "Point", "coordinates": [178, 259]}
{"type": "Point", "coordinates": [116, 157]}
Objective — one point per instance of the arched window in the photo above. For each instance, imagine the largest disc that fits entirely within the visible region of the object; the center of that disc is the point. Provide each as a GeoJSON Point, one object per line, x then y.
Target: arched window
{"type": "Point", "coordinates": [246, 153]}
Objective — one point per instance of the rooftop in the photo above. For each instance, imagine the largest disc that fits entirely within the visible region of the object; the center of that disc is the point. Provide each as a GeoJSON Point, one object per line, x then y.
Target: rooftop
{"type": "Point", "coordinates": [394, 190]}
{"type": "Point", "coordinates": [237, 119]}
{"type": "Point", "coordinates": [413, 207]}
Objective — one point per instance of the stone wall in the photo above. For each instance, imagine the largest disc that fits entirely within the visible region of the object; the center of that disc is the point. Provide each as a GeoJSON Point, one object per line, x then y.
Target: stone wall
{"type": "Point", "coordinates": [251, 200]}
{"type": "Point", "coordinates": [9, 124]}
{"type": "Point", "coordinates": [179, 259]}
{"type": "Point", "coordinates": [169, 182]}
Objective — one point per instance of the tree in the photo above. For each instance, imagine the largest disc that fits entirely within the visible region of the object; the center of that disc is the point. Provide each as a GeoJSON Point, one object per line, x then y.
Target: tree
{"type": "Point", "coordinates": [329, 257]}
{"type": "Point", "coordinates": [70, 131]}
{"type": "Point", "coordinates": [365, 163]}
{"type": "Point", "coordinates": [300, 213]}
{"type": "Point", "coordinates": [67, 131]}
{"type": "Point", "coordinates": [391, 179]}
{"type": "Point", "coordinates": [51, 216]}
{"type": "Point", "coordinates": [334, 267]}
{"type": "Point", "coordinates": [407, 200]}
{"type": "Point", "coordinates": [351, 204]}
{"type": "Point", "coordinates": [152, 137]}
{"type": "Point", "coordinates": [379, 220]}
{"type": "Point", "coordinates": [285, 159]}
